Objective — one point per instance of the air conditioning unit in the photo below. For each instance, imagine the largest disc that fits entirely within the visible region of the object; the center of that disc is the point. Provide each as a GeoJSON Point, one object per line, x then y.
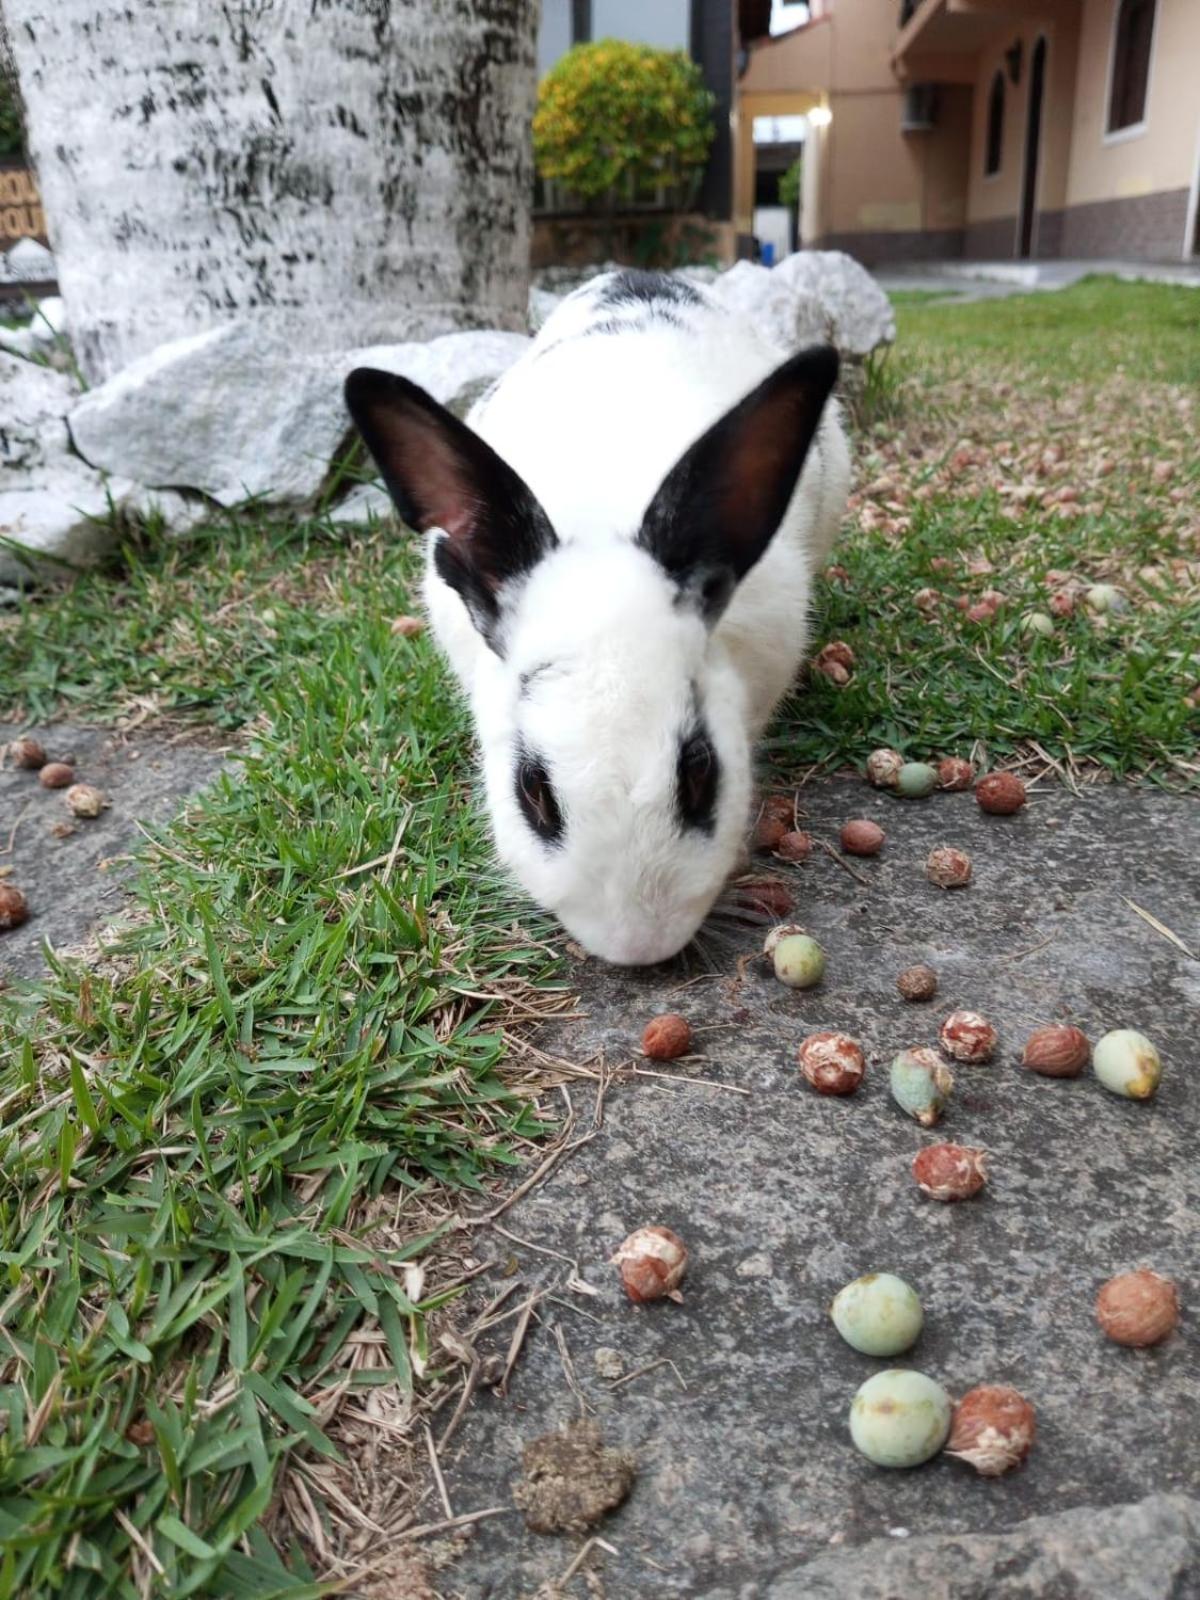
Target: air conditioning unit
{"type": "Point", "coordinates": [920, 108]}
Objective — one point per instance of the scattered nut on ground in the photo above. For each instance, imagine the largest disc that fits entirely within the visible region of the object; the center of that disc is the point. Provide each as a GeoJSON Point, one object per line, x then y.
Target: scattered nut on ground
{"type": "Point", "coordinates": [878, 1314]}
{"type": "Point", "coordinates": [954, 774]}
{"type": "Point", "coordinates": [949, 1171]}
{"type": "Point", "coordinates": [667, 1037]}
{"type": "Point", "coordinates": [799, 961]}
{"type": "Point", "coordinates": [768, 831]}
{"type": "Point", "coordinates": [85, 800]}
{"type": "Point", "coordinates": [918, 983]}
{"type": "Point", "coordinates": [993, 1429]}
{"type": "Point", "coordinates": [1127, 1064]}
{"type": "Point", "coordinates": [795, 845]}
{"type": "Point", "coordinates": [1000, 793]}
{"type": "Point", "coordinates": [967, 1036]}
{"type": "Point", "coordinates": [766, 896]}
{"type": "Point", "coordinates": [780, 806]}
{"type": "Point", "coordinates": [652, 1262]}
{"type": "Point", "coordinates": [14, 908]}
{"type": "Point", "coordinates": [56, 775]}
{"type": "Point", "coordinates": [861, 837]}
{"type": "Point", "coordinates": [835, 661]}
{"type": "Point", "coordinates": [916, 779]}
{"type": "Point", "coordinates": [408, 627]}
{"type": "Point", "coordinates": [27, 754]}
{"type": "Point", "coordinates": [921, 1084]}
{"type": "Point", "coordinates": [883, 768]}
{"type": "Point", "coordinates": [948, 867]}
{"type": "Point", "coordinates": [832, 1062]}
{"type": "Point", "coordinates": [1056, 1051]}
{"type": "Point", "coordinates": [900, 1418]}
{"type": "Point", "coordinates": [1138, 1308]}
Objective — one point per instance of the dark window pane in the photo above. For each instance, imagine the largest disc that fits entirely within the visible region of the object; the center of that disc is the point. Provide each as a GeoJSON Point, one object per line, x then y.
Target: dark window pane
{"type": "Point", "coordinates": [1131, 64]}
{"type": "Point", "coordinates": [995, 127]}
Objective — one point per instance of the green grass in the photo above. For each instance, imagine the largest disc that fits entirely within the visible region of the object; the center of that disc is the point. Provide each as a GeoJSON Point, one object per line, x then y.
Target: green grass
{"type": "Point", "coordinates": [197, 1137]}
{"type": "Point", "coordinates": [194, 1135]}
{"type": "Point", "coordinates": [1091, 330]}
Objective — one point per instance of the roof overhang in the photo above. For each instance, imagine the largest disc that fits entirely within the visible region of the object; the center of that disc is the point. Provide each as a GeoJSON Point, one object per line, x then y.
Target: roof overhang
{"type": "Point", "coordinates": [942, 39]}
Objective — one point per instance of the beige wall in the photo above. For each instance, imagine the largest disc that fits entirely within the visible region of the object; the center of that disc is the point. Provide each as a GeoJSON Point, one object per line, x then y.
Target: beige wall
{"type": "Point", "coordinates": [1164, 155]}
{"type": "Point", "coordinates": [1000, 195]}
{"type": "Point", "coordinates": [884, 181]}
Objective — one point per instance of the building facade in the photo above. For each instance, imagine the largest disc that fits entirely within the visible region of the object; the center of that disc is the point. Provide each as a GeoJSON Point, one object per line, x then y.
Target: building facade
{"type": "Point", "coordinates": [992, 129]}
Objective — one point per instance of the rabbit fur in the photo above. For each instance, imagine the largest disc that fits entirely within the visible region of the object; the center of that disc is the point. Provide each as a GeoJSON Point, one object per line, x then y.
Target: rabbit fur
{"type": "Point", "coordinates": [619, 575]}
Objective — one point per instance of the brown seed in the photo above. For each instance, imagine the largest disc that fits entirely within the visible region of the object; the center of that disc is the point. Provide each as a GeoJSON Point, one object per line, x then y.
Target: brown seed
{"type": "Point", "coordinates": [981, 611]}
{"type": "Point", "coordinates": [27, 754]}
{"type": "Point", "coordinates": [862, 838]}
{"type": "Point", "coordinates": [836, 574]}
{"type": "Point", "coordinates": [408, 627]}
{"type": "Point", "coordinates": [927, 601]}
{"type": "Point", "coordinates": [140, 1432]}
{"type": "Point", "coordinates": [948, 868]}
{"type": "Point", "coordinates": [832, 1062]}
{"type": "Point", "coordinates": [954, 773]}
{"type": "Point", "coordinates": [835, 672]}
{"type": "Point", "coordinates": [795, 846]}
{"type": "Point", "coordinates": [993, 1429]}
{"type": "Point", "coordinates": [1000, 793]}
{"type": "Point", "coordinates": [14, 908]}
{"type": "Point", "coordinates": [56, 775]}
{"type": "Point", "coordinates": [949, 1171]}
{"type": "Point", "coordinates": [1138, 1308]}
{"type": "Point", "coordinates": [85, 800]}
{"type": "Point", "coordinates": [967, 1036]}
{"type": "Point", "coordinates": [835, 661]}
{"type": "Point", "coordinates": [883, 768]}
{"type": "Point", "coordinates": [766, 895]}
{"type": "Point", "coordinates": [666, 1037]}
{"type": "Point", "coordinates": [917, 983]}
{"type": "Point", "coordinates": [768, 831]}
{"type": "Point", "coordinates": [1062, 604]}
{"type": "Point", "coordinates": [780, 806]}
{"type": "Point", "coordinates": [1057, 1051]}
{"type": "Point", "coordinates": [652, 1261]}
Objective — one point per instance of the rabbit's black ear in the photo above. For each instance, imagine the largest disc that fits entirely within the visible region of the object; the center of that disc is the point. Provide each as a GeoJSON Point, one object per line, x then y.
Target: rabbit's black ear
{"type": "Point", "coordinates": [442, 475]}
{"type": "Point", "coordinates": [720, 505]}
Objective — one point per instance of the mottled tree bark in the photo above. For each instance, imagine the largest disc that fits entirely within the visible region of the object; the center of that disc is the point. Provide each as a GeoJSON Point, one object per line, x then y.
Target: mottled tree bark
{"type": "Point", "coordinates": [343, 171]}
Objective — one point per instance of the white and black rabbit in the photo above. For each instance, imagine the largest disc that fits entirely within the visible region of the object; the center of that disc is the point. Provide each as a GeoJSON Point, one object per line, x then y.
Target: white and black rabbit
{"type": "Point", "coordinates": [623, 546]}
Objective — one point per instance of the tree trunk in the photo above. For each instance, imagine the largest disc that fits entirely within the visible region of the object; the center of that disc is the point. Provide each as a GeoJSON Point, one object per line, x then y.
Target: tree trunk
{"type": "Point", "coordinates": [344, 172]}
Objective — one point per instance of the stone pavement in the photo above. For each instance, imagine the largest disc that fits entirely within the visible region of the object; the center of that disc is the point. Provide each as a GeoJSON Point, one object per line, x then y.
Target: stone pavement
{"type": "Point", "coordinates": [74, 882]}
{"type": "Point", "coordinates": [996, 280]}
{"type": "Point", "coordinates": [736, 1401]}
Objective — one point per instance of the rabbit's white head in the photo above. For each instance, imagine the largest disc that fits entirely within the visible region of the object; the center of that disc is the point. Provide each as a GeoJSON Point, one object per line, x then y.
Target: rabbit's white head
{"type": "Point", "coordinates": [612, 719]}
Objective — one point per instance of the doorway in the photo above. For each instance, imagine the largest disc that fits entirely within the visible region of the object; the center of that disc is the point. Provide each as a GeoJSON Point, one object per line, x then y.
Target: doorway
{"type": "Point", "coordinates": [1033, 147]}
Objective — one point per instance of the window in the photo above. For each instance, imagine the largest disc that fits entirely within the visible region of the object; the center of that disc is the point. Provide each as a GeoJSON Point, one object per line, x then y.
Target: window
{"type": "Point", "coordinates": [995, 128]}
{"type": "Point", "coordinates": [665, 23]}
{"type": "Point", "coordinates": [1130, 64]}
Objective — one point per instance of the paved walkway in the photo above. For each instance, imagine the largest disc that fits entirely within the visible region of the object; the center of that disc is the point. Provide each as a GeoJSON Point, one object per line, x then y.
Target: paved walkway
{"type": "Point", "coordinates": [990, 280]}
{"type": "Point", "coordinates": [736, 1406]}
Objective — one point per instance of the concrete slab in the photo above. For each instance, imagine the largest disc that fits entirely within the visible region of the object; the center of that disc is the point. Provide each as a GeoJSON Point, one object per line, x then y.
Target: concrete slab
{"type": "Point", "coordinates": [74, 880]}
{"type": "Point", "coordinates": [990, 280]}
{"type": "Point", "coordinates": [747, 1483]}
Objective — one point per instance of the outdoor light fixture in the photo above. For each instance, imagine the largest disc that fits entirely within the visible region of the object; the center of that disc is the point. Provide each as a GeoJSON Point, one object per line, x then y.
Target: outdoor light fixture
{"type": "Point", "coordinates": [1013, 57]}
{"type": "Point", "coordinates": [820, 117]}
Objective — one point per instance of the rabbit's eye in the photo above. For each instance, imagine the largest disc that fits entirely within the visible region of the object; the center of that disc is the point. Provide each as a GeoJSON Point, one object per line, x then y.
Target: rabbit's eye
{"type": "Point", "coordinates": [536, 798]}
{"type": "Point", "coordinates": [697, 790]}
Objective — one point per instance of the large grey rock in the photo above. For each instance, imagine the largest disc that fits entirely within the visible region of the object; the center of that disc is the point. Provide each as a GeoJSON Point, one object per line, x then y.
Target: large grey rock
{"type": "Point", "coordinates": [745, 1467]}
{"type": "Point", "coordinates": [810, 297]}
{"type": "Point", "coordinates": [236, 415]}
{"type": "Point", "coordinates": [1146, 1551]}
{"type": "Point", "coordinates": [367, 502]}
{"type": "Point", "coordinates": [51, 503]}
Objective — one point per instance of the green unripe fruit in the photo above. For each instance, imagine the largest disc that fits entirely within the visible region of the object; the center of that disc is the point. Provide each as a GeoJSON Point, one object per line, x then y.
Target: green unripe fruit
{"type": "Point", "coordinates": [900, 1418]}
{"type": "Point", "coordinates": [799, 961]}
{"type": "Point", "coordinates": [878, 1314]}
{"type": "Point", "coordinates": [916, 779]}
{"type": "Point", "coordinates": [921, 1083]}
{"type": "Point", "coordinates": [1038, 622]}
{"type": "Point", "coordinates": [1127, 1064]}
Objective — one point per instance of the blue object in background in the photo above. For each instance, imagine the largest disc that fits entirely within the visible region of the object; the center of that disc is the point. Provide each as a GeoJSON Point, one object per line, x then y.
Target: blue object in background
{"type": "Point", "coordinates": [768, 253]}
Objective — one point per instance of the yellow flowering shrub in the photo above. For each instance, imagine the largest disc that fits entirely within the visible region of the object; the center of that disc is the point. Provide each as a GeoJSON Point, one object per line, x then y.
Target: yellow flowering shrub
{"type": "Point", "coordinates": [614, 117]}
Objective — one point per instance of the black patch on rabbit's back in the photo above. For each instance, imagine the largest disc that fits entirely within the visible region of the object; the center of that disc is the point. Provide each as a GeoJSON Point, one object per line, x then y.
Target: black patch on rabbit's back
{"type": "Point", "coordinates": [656, 289]}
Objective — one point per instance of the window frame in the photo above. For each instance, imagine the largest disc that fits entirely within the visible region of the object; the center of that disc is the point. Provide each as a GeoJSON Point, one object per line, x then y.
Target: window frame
{"type": "Point", "coordinates": [991, 174]}
{"type": "Point", "coordinates": [1135, 129]}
